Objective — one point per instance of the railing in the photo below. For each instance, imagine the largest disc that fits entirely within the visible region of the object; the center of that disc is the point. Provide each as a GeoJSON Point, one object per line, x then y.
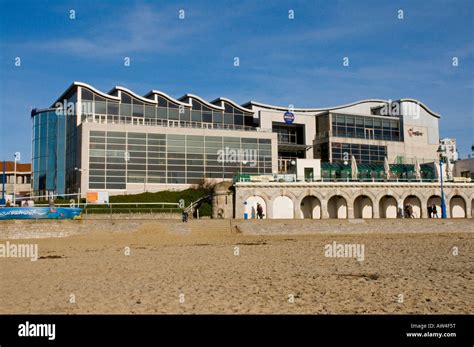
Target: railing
{"type": "Point", "coordinates": [124, 207]}
{"type": "Point", "coordinates": [105, 119]}
{"type": "Point", "coordinates": [293, 178]}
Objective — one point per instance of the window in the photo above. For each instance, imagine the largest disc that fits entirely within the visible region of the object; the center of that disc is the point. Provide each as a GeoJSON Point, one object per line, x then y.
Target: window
{"type": "Point", "coordinates": [217, 117]}
{"type": "Point", "coordinates": [162, 102]}
{"type": "Point", "coordinates": [207, 117]}
{"type": "Point", "coordinates": [365, 127]}
{"type": "Point", "coordinates": [126, 110]}
{"type": "Point", "coordinates": [126, 99]}
{"type": "Point", "coordinates": [150, 111]}
{"type": "Point", "coordinates": [87, 94]}
{"type": "Point", "coordinates": [112, 108]}
{"type": "Point", "coordinates": [364, 154]}
{"type": "Point", "coordinates": [228, 118]}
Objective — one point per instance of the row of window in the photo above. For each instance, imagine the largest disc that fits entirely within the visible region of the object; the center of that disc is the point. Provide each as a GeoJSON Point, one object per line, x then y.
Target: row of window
{"type": "Point", "coordinates": [165, 109]}
{"type": "Point", "coordinates": [364, 154]}
{"type": "Point", "coordinates": [370, 128]}
{"type": "Point", "coordinates": [178, 158]}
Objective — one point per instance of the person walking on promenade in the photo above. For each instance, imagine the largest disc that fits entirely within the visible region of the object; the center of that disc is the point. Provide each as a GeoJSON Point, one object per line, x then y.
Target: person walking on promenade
{"type": "Point", "coordinates": [184, 216]}
{"type": "Point", "coordinates": [435, 211]}
{"type": "Point", "coordinates": [259, 211]}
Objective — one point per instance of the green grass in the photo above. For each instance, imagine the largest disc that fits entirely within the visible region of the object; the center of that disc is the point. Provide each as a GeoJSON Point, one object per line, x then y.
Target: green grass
{"type": "Point", "coordinates": [188, 195]}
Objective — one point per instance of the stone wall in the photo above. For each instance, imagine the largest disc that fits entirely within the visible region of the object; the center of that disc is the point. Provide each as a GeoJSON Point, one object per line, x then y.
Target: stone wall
{"type": "Point", "coordinates": [351, 199]}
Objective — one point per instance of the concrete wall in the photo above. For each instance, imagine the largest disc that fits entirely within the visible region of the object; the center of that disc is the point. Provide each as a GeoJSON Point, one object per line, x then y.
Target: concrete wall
{"type": "Point", "coordinates": [29, 229]}
{"type": "Point", "coordinates": [314, 164]}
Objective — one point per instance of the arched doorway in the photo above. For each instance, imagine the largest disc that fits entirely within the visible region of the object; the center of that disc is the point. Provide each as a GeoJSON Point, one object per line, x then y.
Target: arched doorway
{"type": "Point", "coordinates": [363, 207]}
{"type": "Point", "coordinates": [251, 206]}
{"type": "Point", "coordinates": [457, 207]}
{"type": "Point", "coordinates": [388, 207]}
{"type": "Point", "coordinates": [337, 207]}
{"type": "Point", "coordinates": [310, 207]}
{"type": "Point", "coordinates": [415, 204]}
{"type": "Point", "coordinates": [283, 208]}
{"type": "Point", "coordinates": [436, 201]}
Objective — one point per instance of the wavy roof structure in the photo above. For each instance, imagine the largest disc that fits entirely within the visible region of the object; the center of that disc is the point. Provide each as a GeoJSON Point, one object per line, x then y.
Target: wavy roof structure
{"type": "Point", "coordinates": [218, 104]}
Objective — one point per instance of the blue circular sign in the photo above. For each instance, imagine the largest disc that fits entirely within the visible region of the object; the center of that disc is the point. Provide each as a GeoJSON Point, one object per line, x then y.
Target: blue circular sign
{"type": "Point", "coordinates": [289, 117]}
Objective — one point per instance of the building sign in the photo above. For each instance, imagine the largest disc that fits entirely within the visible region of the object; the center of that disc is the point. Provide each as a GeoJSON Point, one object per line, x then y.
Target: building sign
{"type": "Point", "coordinates": [97, 198]}
{"type": "Point", "coordinates": [412, 132]}
{"type": "Point", "coordinates": [289, 117]}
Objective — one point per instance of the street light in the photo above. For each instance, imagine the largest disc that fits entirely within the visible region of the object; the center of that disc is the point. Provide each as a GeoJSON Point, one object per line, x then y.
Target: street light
{"type": "Point", "coordinates": [440, 151]}
{"type": "Point", "coordinates": [78, 184]}
{"type": "Point", "coordinates": [17, 158]}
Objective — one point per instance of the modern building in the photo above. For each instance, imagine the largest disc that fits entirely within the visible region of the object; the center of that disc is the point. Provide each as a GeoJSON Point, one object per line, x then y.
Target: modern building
{"type": "Point", "coordinates": [122, 142]}
{"type": "Point", "coordinates": [370, 130]}
{"type": "Point", "coordinates": [22, 176]}
{"type": "Point", "coordinates": [449, 149]}
{"type": "Point", "coordinates": [464, 168]}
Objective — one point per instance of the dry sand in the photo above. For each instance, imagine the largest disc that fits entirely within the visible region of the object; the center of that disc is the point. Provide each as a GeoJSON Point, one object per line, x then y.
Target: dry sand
{"type": "Point", "coordinates": [200, 268]}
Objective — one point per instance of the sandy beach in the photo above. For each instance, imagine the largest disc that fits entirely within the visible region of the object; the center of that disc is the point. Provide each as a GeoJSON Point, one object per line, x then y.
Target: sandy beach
{"type": "Point", "coordinates": [213, 271]}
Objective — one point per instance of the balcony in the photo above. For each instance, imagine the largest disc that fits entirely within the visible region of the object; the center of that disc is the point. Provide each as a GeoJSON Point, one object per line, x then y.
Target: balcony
{"type": "Point", "coordinates": [107, 119]}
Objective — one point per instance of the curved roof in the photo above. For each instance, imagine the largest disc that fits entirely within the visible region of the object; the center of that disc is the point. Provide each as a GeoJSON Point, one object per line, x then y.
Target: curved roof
{"type": "Point", "coordinates": [213, 104]}
{"type": "Point", "coordinates": [166, 96]}
{"type": "Point", "coordinates": [323, 109]}
{"type": "Point", "coordinates": [201, 100]}
{"type": "Point", "coordinates": [128, 91]}
{"type": "Point", "coordinates": [85, 85]}
{"type": "Point", "coordinates": [234, 104]}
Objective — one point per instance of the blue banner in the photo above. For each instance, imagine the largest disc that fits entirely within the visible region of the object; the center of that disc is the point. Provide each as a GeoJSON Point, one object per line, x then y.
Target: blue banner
{"type": "Point", "coordinates": [40, 213]}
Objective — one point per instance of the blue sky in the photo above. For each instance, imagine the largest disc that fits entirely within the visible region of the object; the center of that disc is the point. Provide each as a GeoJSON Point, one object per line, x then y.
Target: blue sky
{"type": "Point", "coordinates": [282, 61]}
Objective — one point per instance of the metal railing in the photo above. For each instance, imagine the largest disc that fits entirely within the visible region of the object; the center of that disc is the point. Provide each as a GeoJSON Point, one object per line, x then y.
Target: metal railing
{"type": "Point", "coordinates": [107, 119]}
{"type": "Point", "coordinates": [293, 178]}
{"type": "Point", "coordinates": [124, 207]}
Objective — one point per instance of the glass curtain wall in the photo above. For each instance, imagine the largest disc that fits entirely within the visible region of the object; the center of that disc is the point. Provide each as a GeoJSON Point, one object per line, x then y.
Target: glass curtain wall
{"type": "Point", "coordinates": [117, 158]}
{"type": "Point", "coordinates": [370, 128]}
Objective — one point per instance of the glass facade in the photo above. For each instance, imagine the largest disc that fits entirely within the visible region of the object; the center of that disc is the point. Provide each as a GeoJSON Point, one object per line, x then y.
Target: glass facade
{"type": "Point", "coordinates": [364, 154]}
{"type": "Point", "coordinates": [370, 128]}
{"type": "Point", "coordinates": [118, 158]}
{"type": "Point", "coordinates": [54, 152]}
{"type": "Point", "coordinates": [289, 134]}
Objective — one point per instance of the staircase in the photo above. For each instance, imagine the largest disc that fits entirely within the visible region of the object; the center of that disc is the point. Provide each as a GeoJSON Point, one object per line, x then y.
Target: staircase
{"type": "Point", "coordinates": [195, 205]}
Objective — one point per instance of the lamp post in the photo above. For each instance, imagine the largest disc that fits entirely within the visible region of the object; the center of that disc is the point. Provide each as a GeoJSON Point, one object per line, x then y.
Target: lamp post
{"type": "Point", "coordinates": [443, 202]}
{"type": "Point", "coordinates": [17, 158]}
{"type": "Point", "coordinates": [78, 184]}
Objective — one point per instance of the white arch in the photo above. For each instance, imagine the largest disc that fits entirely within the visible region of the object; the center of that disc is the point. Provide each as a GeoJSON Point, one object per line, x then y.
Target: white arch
{"type": "Point", "coordinates": [310, 207]}
{"type": "Point", "coordinates": [388, 207]}
{"type": "Point", "coordinates": [457, 206]}
{"type": "Point", "coordinates": [283, 208]}
{"type": "Point", "coordinates": [435, 200]}
{"type": "Point", "coordinates": [337, 207]}
{"type": "Point", "coordinates": [251, 206]}
{"type": "Point", "coordinates": [415, 203]}
{"type": "Point", "coordinates": [363, 207]}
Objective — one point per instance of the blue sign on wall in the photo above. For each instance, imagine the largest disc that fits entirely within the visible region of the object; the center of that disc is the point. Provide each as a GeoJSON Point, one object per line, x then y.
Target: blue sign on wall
{"type": "Point", "coordinates": [289, 117]}
{"type": "Point", "coordinates": [40, 213]}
